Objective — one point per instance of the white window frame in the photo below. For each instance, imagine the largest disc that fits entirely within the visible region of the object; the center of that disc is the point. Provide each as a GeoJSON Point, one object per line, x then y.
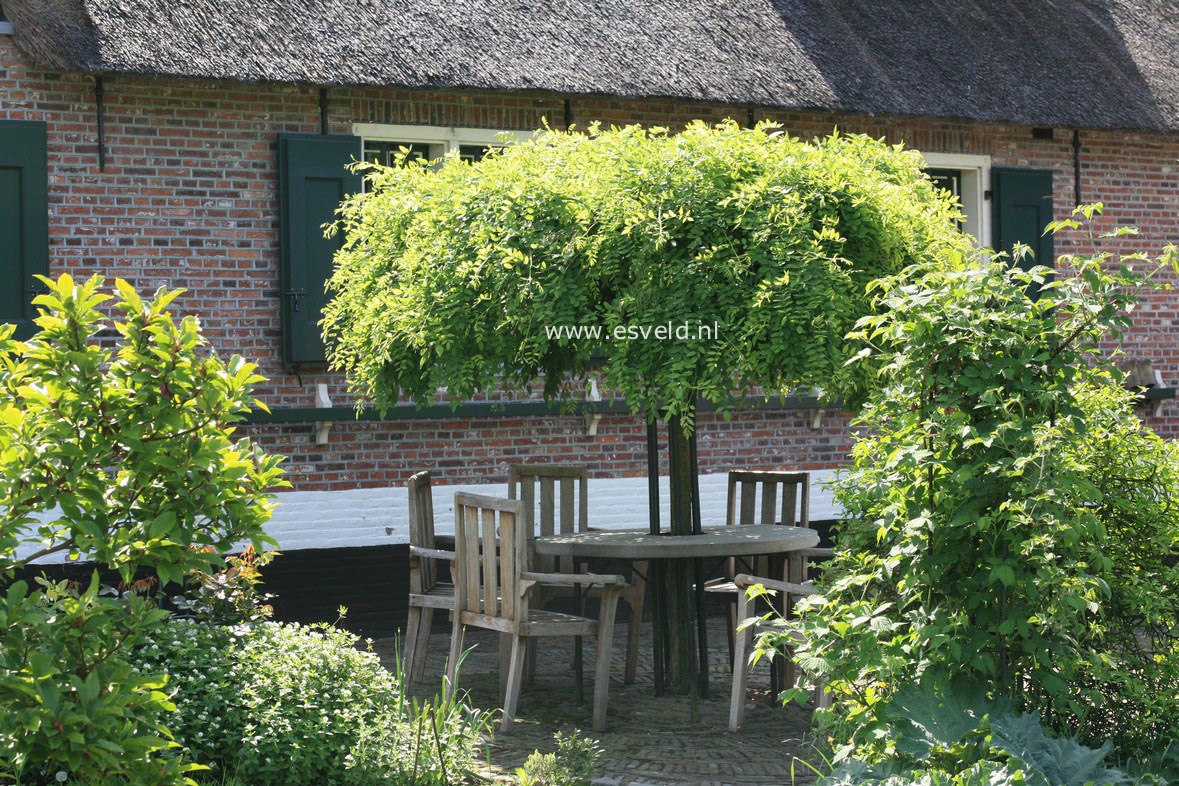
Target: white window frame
{"type": "Point", "coordinates": [441, 139]}
{"type": "Point", "coordinates": [976, 179]}
{"type": "Point", "coordinates": [6, 28]}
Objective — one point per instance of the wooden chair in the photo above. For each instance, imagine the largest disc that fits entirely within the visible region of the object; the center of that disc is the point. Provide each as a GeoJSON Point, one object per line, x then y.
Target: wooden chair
{"type": "Point", "coordinates": [494, 589]}
{"type": "Point", "coordinates": [426, 593]}
{"type": "Point", "coordinates": [758, 498]}
{"type": "Point", "coordinates": [556, 501]}
{"type": "Point", "coordinates": [744, 644]}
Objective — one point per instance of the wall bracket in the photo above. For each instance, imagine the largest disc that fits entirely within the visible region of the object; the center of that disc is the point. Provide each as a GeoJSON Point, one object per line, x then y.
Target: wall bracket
{"type": "Point", "coordinates": [592, 419]}
{"type": "Point", "coordinates": [323, 401]}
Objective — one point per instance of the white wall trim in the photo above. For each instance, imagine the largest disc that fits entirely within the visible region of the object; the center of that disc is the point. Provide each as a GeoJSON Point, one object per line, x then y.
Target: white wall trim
{"type": "Point", "coordinates": [380, 516]}
{"type": "Point", "coordinates": [976, 181]}
{"type": "Point", "coordinates": [6, 28]}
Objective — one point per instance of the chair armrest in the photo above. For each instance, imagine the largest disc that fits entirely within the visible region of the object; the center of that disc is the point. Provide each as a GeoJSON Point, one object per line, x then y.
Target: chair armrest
{"type": "Point", "coordinates": [421, 551]}
{"type": "Point", "coordinates": [744, 580]}
{"type": "Point", "coordinates": [570, 579]}
{"type": "Point", "coordinates": [817, 552]}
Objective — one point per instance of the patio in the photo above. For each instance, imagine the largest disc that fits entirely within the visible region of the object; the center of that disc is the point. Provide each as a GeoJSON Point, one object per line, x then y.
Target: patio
{"type": "Point", "coordinates": [650, 741]}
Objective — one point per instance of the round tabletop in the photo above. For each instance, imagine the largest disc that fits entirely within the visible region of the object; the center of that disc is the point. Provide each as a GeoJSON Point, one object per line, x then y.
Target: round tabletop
{"type": "Point", "coordinates": [736, 541]}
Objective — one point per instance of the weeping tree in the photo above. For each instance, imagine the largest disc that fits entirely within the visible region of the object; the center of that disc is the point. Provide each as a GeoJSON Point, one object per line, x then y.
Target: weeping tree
{"type": "Point", "coordinates": [562, 255]}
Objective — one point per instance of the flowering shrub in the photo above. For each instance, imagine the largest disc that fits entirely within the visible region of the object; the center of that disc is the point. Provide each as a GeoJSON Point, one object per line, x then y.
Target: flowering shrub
{"type": "Point", "coordinates": [288, 704]}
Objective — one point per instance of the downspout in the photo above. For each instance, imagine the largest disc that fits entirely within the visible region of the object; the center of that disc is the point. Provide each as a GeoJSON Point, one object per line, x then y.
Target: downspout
{"type": "Point", "coordinates": [100, 110]}
{"type": "Point", "coordinates": [1077, 166]}
{"type": "Point", "coordinates": [323, 111]}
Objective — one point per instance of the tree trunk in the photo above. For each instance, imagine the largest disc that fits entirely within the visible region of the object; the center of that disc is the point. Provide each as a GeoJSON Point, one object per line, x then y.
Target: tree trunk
{"type": "Point", "coordinates": [679, 578]}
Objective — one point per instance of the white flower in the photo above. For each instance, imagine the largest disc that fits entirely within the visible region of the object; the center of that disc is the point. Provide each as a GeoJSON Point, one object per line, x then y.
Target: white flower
{"type": "Point", "coordinates": [62, 776]}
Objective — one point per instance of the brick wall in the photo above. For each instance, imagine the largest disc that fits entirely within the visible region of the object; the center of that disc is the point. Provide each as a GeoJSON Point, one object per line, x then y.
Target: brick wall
{"type": "Point", "coordinates": [188, 199]}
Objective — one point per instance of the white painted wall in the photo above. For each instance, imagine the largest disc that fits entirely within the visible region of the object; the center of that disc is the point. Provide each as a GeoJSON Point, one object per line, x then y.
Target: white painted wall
{"type": "Point", "coordinates": [380, 516]}
{"type": "Point", "coordinates": [370, 517]}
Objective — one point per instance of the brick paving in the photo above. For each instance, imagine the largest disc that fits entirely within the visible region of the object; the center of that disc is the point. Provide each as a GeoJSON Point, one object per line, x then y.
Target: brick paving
{"type": "Point", "coordinates": [649, 741]}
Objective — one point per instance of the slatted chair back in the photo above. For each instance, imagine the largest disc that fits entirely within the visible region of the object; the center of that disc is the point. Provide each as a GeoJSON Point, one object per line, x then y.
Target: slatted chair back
{"type": "Point", "coordinates": [767, 498]}
{"type": "Point", "coordinates": [491, 552]}
{"type": "Point", "coordinates": [555, 502]}
{"type": "Point", "coordinates": [421, 531]}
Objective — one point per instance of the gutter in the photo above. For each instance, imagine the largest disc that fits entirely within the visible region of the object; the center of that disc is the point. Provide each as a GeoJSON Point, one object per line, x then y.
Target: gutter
{"type": "Point", "coordinates": [511, 409]}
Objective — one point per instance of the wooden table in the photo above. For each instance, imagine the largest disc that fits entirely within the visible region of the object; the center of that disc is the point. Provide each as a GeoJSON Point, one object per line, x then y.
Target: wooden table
{"type": "Point", "coordinates": [633, 544]}
{"type": "Point", "coordinates": [636, 545]}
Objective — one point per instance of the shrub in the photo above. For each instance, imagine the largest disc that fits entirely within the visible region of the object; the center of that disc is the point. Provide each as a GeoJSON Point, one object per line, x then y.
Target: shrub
{"type": "Point", "coordinates": [1008, 518]}
{"type": "Point", "coordinates": [229, 596]}
{"type": "Point", "coordinates": [118, 450]}
{"type": "Point", "coordinates": [73, 705]}
{"type": "Point", "coordinates": [124, 455]}
{"type": "Point", "coordinates": [952, 734]}
{"type": "Point", "coordinates": [286, 704]}
{"type": "Point", "coordinates": [571, 764]}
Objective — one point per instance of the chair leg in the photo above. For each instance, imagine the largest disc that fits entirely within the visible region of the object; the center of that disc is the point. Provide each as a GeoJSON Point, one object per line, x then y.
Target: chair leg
{"type": "Point", "coordinates": [505, 664]}
{"type": "Point", "coordinates": [743, 643]}
{"type": "Point", "coordinates": [789, 673]}
{"type": "Point", "coordinates": [602, 666]}
{"type": "Point", "coordinates": [822, 697]}
{"type": "Point", "coordinates": [731, 631]}
{"type": "Point", "coordinates": [634, 632]}
{"type": "Point", "coordinates": [515, 675]}
{"type": "Point", "coordinates": [413, 624]}
{"type": "Point", "coordinates": [456, 651]}
{"type": "Point", "coordinates": [423, 643]}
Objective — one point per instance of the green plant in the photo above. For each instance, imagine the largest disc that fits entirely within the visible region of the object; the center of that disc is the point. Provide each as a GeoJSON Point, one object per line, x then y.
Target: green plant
{"type": "Point", "coordinates": [1008, 518]}
{"type": "Point", "coordinates": [455, 276]}
{"type": "Point", "coordinates": [949, 732]}
{"type": "Point", "coordinates": [571, 764]}
{"type": "Point", "coordinates": [232, 595]}
{"type": "Point", "coordinates": [117, 451]}
{"type": "Point", "coordinates": [124, 454]}
{"type": "Point", "coordinates": [73, 704]}
{"type": "Point", "coordinates": [274, 703]}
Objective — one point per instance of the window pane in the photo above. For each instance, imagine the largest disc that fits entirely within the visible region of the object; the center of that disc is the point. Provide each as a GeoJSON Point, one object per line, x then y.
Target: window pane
{"type": "Point", "coordinates": [386, 153]}
{"type": "Point", "coordinates": [948, 180]}
{"type": "Point", "coordinates": [473, 153]}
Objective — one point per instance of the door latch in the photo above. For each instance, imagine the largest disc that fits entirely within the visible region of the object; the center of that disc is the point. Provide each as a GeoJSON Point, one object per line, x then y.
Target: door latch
{"type": "Point", "coordinates": [296, 296]}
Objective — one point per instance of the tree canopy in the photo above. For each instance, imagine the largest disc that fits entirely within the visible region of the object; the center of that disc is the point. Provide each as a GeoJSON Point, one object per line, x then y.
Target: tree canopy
{"type": "Point", "coordinates": [459, 275]}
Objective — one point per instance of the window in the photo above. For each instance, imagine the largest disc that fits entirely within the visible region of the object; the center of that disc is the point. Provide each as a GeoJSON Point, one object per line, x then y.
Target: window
{"type": "Point", "coordinates": [24, 219]}
{"type": "Point", "coordinates": [383, 142]}
{"type": "Point", "coordinates": [5, 25]}
{"type": "Point", "coordinates": [966, 177]}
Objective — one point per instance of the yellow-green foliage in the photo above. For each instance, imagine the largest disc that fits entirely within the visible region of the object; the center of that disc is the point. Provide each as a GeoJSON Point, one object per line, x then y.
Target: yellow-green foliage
{"type": "Point", "coordinates": [451, 276]}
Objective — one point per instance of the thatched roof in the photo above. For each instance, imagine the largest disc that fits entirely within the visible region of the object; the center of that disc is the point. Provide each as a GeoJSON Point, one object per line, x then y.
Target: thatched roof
{"type": "Point", "coordinates": [1085, 63]}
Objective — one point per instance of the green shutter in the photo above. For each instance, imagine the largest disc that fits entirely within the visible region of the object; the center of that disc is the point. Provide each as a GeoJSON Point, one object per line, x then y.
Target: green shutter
{"type": "Point", "coordinates": [313, 179]}
{"type": "Point", "coordinates": [1021, 209]}
{"type": "Point", "coordinates": [24, 219]}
